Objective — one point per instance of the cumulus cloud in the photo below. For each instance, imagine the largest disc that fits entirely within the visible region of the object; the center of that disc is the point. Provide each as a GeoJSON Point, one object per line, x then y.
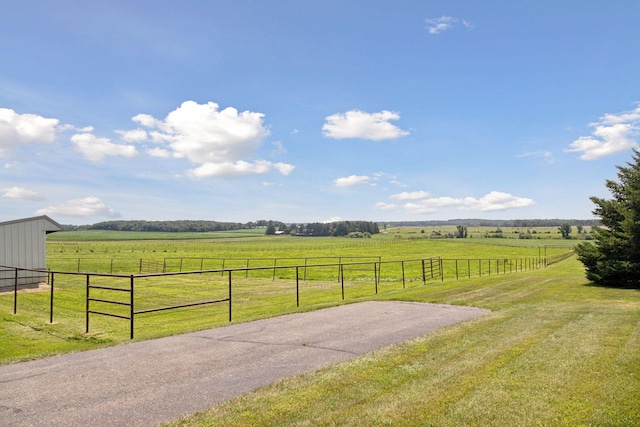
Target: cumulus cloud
{"type": "Point", "coordinates": [96, 149]}
{"type": "Point", "coordinates": [220, 141]}
{"type": "Point", "coordinates": [239, 168]}
{"type": "Point", "coordinates": [496, 201]}
{"type": "Point", "coordinates": [359, 124]}
{"type": "Point", "coordinates": [16, 129]}
{"type": "Point", "coordinates": [414, 195]}
{"type": "Point", "coordinates": [445, 23]}
{"type": "Point", "coordinates": [351, 180]}
{"type": "Point", "coordinates": [612, 134]}
{"type": "Point", "coordinates": [420, 202]}
{"type": "Point", "coordinates": [83, 208]}
{"type": "Point", "coordinates": [135, 135]}
{"type": "Point", "coordinates": [159, 152]}
{"type": "Point", "coordinates": [20, 193]}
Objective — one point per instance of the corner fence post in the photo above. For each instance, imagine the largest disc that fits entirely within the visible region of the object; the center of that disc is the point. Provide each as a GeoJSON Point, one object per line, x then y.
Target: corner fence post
{"type": "Point", "coordinates": [424, 277]}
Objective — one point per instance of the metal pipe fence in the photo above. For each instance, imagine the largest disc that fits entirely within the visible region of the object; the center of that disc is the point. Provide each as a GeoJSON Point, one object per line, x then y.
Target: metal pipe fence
{"type": "Point", "coordinates": [127, 296]}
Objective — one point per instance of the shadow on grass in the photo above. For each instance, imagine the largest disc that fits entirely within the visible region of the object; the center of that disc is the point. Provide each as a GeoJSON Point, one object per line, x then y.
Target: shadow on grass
{"type": "Point", "coordinates": [623, 286]}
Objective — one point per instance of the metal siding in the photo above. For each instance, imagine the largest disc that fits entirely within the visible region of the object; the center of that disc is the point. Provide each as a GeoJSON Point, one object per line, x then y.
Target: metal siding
{"type": "Point", "coordinates": [23, 244]}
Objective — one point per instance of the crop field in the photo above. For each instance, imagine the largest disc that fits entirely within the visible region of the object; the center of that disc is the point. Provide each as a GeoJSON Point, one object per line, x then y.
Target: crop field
{"type": "Point", "coordinates": [555, 350]}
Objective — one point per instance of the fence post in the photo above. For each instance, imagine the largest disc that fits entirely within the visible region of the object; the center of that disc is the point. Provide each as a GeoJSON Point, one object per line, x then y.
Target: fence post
{"type": "Point", "coordinates": [375, 275]}
{"type": "Point", "coordinates": [131, 308]}
{"type": "Point", "coordinates": [229, 295]}
{"type": "Point", "coordinates": [424, 277]}
{"type": "Point", "coordinates": [403, 283]}
{"type": "Point", "coordinates": [341, 268]}
{"type": "Point", "coordinates": [15, 291]}
{"type": "Point", "coordinates": [51, 301]}
{"type": "Point", "coordinates": [297, 287]}
{"type": "Point", "coordinates": [86, 329]}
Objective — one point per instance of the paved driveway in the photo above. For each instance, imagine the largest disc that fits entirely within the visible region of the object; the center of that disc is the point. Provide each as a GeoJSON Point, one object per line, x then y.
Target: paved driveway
{"type": "Point", "coordinates": [146, 383]}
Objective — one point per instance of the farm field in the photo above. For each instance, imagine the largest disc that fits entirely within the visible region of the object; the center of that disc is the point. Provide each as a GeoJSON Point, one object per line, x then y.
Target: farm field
{"type": "Point", "coordinates": [554, 351]}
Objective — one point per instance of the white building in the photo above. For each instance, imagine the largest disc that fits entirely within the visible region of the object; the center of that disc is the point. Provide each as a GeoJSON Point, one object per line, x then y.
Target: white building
{"type": "Point", "coordinates": [23, 243]}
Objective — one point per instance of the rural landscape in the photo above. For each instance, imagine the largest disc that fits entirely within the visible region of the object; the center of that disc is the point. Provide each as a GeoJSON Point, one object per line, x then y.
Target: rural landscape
{"type": "Point", "coordinates": [555, 349]}
{"type": "Point", "coordinates": [337, 213]}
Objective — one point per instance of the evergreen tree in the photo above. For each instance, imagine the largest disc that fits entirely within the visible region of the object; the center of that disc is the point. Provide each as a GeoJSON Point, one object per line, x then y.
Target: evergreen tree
{"type": "Point", "coordinates": [615, 258]}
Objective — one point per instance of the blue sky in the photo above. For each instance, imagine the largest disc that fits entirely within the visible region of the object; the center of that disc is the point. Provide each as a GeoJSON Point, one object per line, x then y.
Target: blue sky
{"type": "Point", "coordinates": [305, 111]}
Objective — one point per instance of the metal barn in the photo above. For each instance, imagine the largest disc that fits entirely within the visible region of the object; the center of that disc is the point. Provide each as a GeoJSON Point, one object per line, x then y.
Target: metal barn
{"type": "Point", "coordinates": [23, 243]}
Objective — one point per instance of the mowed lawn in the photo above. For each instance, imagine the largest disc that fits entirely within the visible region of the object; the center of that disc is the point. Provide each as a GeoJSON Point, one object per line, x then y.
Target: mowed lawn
{"type": "Point", "coordinates": [554, 351]}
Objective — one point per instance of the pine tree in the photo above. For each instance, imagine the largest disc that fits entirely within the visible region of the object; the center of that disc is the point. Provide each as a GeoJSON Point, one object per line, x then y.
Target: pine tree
{"type": "Point", "coordinates": [615, 258]}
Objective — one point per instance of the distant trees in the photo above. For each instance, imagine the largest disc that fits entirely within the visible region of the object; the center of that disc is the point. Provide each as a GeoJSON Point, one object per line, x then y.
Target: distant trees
{"type": "Point", "coordinates": [338, 228]}
{"type": "Point", "coordinates": [462, 231]}
{"type": "Point", "coordinates": [614, 260]}
{"type": "Point", "coordinates": [565, 230]}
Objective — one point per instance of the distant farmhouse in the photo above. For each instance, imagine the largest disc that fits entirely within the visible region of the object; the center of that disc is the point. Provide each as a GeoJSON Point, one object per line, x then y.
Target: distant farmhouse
{"type": "Point", "coordinates": [23, 243]}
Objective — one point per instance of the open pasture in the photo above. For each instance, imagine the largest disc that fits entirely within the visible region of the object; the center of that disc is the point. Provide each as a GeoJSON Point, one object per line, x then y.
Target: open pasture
{"type": "Point", "coordinates": [554, 351]}
{"type": "Point", "coordinates": [256, 293]}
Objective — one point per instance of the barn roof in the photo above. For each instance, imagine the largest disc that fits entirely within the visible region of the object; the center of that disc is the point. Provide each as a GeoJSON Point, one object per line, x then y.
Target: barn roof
{"type": "Point", "coordinates": [50, 225]}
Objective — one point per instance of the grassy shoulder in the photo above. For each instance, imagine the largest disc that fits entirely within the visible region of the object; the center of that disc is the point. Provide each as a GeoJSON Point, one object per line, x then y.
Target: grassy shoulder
{"type": "Point", "coordinates": [554, 351]}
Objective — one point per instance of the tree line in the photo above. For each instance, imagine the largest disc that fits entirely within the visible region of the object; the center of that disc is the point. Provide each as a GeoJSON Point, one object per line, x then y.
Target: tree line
{"type": "Point", "coordinates": [338, 228]}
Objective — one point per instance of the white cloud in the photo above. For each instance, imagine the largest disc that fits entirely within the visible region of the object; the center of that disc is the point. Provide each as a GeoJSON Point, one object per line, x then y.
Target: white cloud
{"type": "Point", "coordinates": [239, 168]}
{"type": "Point", "coordinates": [146, 120]}
{"type": "Point", "coordinates": [220, 141]}
{"type": "Point", "coordinates": [442, 201]}
{"type": "Point", "coordinates": [496, 201]}
{"type": "Point", "coordinates": [16, 129]}
{"type": "Point", "coordinates": [414, 195]}
{"type": "Point", "coordinates": [83, 208]}
{"type": "Point", "coordinates": [359, 124]}
{"type": "Point", "coordinates": [96, 149]}
{"type": "Point", "coordinates": [613, 134]}
{"type": "Point", "coordinates": [445, 23]}
{"type": "Point", "coordinates": [351, 180]}
{"type": "Point", "coordinates": [422, 204]}
{"type": "Point", "coordinates": [135, 135]}
{"type": "Point", "coordinates": [20, 193]}
{"type": "Point", "coordinates": [159, 152]}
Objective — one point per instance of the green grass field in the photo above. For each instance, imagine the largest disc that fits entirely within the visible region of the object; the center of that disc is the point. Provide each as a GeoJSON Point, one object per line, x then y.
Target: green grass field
{"type": "Point", "coordinates": [555, 350]}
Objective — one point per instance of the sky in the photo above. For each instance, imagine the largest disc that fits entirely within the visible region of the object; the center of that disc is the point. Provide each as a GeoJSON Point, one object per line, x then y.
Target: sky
{"type": "Point", "coordinates": [315, 111]}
